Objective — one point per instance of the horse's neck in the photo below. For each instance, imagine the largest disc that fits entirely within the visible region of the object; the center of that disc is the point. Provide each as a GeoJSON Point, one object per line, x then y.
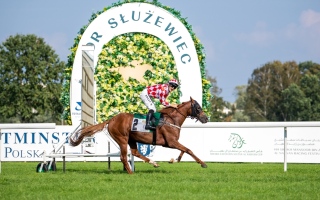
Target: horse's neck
{"type": "Point", "coordinates": [178, 115]}
{"type": "Point", "coordinates": [183, 112]}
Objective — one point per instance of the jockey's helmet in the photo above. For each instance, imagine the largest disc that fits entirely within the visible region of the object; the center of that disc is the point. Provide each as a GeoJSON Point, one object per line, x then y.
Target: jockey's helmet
{"type": "Point", "coordinates": [174, 83]}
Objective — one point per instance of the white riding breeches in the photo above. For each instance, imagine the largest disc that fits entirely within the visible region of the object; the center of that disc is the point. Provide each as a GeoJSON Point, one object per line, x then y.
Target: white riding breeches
{"type": "Point", "coordinates": [147, 100]}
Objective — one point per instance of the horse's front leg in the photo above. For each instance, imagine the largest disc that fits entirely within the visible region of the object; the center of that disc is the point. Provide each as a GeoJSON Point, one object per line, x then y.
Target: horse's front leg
{"type": "Point", "coordinates": [177, 145]}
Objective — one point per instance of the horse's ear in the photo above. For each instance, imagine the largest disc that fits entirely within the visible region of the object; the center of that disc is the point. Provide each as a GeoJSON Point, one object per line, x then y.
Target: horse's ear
{"type": "Point", "coordinates": [191, 99]}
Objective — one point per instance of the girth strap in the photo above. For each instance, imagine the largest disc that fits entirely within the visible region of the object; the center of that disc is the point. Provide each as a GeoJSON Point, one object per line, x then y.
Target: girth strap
{"type": "Point", "coordinates": [154, 140]}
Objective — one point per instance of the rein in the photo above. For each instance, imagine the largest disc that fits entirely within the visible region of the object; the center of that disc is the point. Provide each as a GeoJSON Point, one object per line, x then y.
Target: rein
{"type": "Point", "coordinates": [194, 114]}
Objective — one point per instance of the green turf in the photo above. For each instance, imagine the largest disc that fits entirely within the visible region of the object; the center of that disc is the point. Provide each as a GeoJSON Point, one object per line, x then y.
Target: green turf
{"type": "Point", "coordinates": [186, 180]}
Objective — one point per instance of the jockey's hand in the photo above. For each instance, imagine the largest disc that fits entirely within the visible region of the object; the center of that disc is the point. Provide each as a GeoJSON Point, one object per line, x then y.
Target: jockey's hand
{"type": "Point", "coordinates": [173, 105]}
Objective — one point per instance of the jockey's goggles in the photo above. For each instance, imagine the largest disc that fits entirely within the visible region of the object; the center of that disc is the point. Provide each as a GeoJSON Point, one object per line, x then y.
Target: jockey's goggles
{"type": "Point", "coordinates": [174, 85]}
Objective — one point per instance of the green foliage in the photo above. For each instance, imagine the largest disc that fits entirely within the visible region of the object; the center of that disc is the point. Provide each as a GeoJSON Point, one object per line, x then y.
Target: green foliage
{"type": "Point", "coordinates": [241, 96]}
{"type": "Point", "coordinates": [294, 104]}
{"type": "Point", "coordinates": [185, 180]}
{"type": "Point", "coordinates": [284, 92]}
{"type": "Point", "coordinates": [217, 107]}
{"type": "Point", "coordinates": [265, 88]}
{"type": "Point", "coordinates": [239, 114]}
{"type": "Point", "coordinates": [217, 104]}
{"type": "Point", "coordinates": [309, 68]}
{"type": "Point", "coordinates": [31, 80]}
{"type": "Point", "coordinates": [120, 52]}
{"type": "Point", "coordinates": [310, 85]}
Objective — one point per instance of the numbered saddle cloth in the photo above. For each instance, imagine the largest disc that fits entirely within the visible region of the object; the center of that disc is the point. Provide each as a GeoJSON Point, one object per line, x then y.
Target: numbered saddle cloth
{"type": "Point", "coordinates": [139, 121]}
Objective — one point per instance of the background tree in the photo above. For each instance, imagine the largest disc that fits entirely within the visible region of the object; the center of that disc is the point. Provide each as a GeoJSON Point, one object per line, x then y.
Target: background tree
{"type": "Point", "coordinates": [241, 96]}
{"type": "Point", "coordinates": [265, 88]}
{"type": "Point", "coordinates": [310, 85]}
{"type": "Point", "coordinates": [295, 106]}
{"type": "Point", "coordinates": [241, 99]}
{"type": "Point", "coordinates": [259, 95]}
{"type": "Point", "coordinates": [218, 105]}
{"type": "Point", "coordinates": [309, 68]}
{"type": "Point", "coordinates": [30, 81]}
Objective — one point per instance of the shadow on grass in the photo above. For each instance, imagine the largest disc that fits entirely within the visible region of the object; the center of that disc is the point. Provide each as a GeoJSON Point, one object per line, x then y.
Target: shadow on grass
{"type": "Point", "coordinates": [113, 171]}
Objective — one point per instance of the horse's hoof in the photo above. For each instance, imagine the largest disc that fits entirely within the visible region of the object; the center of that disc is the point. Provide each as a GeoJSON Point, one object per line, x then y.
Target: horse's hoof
{"type": "Point", "coordinates": [156, 165]}
{"type": "Point", "coordinates": [204, 165]}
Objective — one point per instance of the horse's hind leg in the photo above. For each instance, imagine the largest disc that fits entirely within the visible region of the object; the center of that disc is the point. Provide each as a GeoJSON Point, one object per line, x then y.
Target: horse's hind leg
{"type": "Point", "coordinates": [135, 152]}
{"type": "Point", "coordinates": [178, 159]}
{"type": "Point", "coordinates": [122, 142]}
{"type": "Point", "coordinates": [180, 156]}
{"type": "Point", "coordinates": [124, 158]}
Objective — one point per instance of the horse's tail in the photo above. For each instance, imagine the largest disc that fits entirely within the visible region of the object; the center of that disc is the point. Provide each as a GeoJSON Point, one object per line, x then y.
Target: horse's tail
{"type": "Point", "coordinates": [86, 132]}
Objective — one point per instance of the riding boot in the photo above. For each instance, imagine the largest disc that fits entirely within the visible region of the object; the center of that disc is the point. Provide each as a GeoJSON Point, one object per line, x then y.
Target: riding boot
{"type": "Point", "coordinates": [149, 120]}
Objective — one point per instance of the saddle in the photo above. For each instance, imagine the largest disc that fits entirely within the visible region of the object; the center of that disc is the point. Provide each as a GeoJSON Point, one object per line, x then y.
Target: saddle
{"type": "Point", "coordinates": [139, 121]}
{"type": "Point", "coordinates": [139, 124]}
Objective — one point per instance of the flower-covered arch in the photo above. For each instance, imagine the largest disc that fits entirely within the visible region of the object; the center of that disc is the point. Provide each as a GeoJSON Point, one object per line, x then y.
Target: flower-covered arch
{"type": "Point", "coordinates": [124, 95]}
{"type": "Point", "coordinates": [123, 51]}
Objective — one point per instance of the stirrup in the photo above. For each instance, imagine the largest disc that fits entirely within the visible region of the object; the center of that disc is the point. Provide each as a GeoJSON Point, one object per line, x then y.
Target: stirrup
{"type": "Point", "coordinates": [150, 127]}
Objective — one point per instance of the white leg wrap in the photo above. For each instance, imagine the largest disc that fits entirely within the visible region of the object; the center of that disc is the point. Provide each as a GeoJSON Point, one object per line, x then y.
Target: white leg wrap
{"type": "Point", "coordinates": [152, 162]}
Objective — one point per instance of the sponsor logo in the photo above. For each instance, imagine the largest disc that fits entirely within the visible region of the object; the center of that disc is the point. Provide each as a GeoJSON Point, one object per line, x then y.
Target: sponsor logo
{"type": "Point", "coordinates": [236, 140]}
{"type": "Point", "coordinates": [78, 106]}
{"type": "Point", "coordinates": [146, 149]}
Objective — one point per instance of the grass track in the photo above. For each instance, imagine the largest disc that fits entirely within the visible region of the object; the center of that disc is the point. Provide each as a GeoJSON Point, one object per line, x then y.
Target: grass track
{"type": "Point", "coordinates": [186, 180]}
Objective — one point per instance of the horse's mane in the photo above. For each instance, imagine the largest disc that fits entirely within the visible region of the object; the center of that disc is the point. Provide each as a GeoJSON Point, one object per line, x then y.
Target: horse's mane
{"type": "Point", "coordinates": [168, 110]}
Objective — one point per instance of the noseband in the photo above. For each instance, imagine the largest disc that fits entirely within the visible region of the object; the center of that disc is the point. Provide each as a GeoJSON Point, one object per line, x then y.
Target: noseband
{"type": "Point", "coordinates": [194, 111]}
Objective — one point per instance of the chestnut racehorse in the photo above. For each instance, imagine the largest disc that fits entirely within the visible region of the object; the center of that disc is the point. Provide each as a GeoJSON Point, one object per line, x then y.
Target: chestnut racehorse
{"type": "Point", "coordinates": [167, 132]}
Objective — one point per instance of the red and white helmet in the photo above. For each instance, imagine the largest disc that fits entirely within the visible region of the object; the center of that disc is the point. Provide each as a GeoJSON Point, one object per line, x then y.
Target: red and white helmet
{"type": "Point", "coordinates": [174, 83]}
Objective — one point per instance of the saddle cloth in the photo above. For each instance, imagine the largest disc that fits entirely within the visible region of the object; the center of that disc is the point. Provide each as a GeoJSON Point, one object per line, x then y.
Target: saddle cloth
{"type": "Point", "coordinates": [139, 121]}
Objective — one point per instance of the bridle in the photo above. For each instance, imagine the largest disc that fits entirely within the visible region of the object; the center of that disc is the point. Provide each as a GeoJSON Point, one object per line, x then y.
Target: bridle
{"type": "Point", "coordinates": [195, 112]}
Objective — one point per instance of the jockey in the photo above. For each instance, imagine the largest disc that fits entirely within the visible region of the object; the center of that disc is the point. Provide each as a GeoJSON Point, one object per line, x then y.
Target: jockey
{"type": "Point", "coordinates": [159, 91]}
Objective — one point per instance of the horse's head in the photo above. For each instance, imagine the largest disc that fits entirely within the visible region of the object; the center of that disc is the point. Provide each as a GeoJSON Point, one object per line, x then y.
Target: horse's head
{"type": "Point", "coordinates": [197, 112]}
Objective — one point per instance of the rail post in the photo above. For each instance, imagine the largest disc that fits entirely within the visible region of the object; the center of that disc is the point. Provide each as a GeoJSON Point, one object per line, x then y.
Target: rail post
{"type": "Point", "coordinates": [285, 149]}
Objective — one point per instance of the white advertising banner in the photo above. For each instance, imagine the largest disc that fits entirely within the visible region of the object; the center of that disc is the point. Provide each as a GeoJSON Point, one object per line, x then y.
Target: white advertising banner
{"type": "Point", "coordinates": [29, 144]}
{"type": "Point", "coordinates": [209, 144]}
{"type": "Point", "coordinates": [247, 145]}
